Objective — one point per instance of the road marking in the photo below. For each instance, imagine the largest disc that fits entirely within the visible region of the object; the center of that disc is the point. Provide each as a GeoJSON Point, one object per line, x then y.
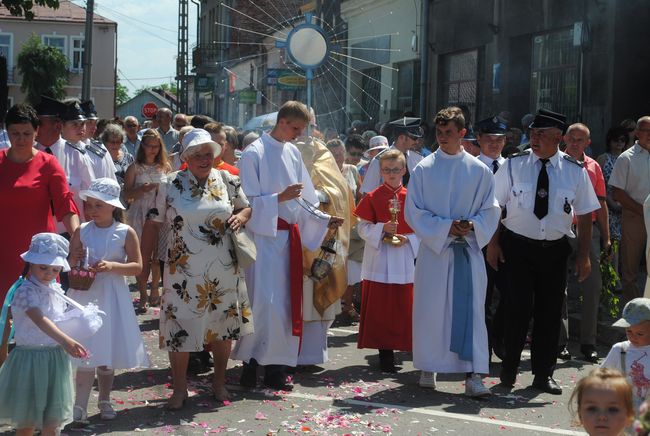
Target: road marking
{"type": "Point", "coordinates": [438, 413]}
{"type": "Point", "coordinates": [418, 410]}
{"type": "Point", "coordinates": [349, 332]}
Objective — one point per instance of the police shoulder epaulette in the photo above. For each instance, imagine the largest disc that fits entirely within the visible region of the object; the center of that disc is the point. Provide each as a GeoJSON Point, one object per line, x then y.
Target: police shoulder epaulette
{"type": "Point", "coordinates": [95, 149]}
{"type": "Point", "coordinates": [572, 160]}
{"type": "Point", "coordinates": [520, 154]}
{"type": "Point", "coordinates": [77, 147]}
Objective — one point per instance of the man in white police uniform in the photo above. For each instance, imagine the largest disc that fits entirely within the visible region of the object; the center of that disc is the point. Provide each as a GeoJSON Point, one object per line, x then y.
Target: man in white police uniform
{"type": "Point", "coordinates": [541, 189]}
{"type": "Point", "coordinates": [491, 140]}
{"type": "Point", "coordinates": [406, 132]}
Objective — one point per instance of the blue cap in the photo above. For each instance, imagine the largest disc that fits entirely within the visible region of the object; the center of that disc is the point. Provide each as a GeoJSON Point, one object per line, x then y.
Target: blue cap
{"type": "Point", "coordinates": [546, 119]}
{"type": "Point", "coordinates": [635, 312]}
{"type": "Point", "coordinates": [469, 135]}
{"type": "Point", "coordinates": [492, 126]}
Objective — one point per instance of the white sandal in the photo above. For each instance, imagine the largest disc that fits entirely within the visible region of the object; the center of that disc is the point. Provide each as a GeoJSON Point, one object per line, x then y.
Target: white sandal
{"type": "Point", "coordinates": [79, 416]}
{"type": "Point", "coordinates": [106, 411]}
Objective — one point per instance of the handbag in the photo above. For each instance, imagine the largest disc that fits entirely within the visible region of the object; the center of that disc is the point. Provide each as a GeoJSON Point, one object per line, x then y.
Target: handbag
{"type": "Point", "coordinates": [242, 242]}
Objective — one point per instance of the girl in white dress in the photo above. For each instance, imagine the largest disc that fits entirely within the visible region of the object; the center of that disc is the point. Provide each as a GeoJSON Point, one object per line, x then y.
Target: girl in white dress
{"type": "Point", "coordinates": [36, 380]}
{"type": "Point", "coordinates": [113, 252]}
{"type": "Point", "coordinates": [141, 189]}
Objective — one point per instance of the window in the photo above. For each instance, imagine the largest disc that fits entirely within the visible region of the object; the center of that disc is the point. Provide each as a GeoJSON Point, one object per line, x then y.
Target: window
{"type": "Point", "coordinates": [76, 53]}
{"type": "Point", "coordinates": [459, 81]}
{"type": "Point", "coordinates": [371, 92]}
{"type": "Point", "coordinates": [555, 67]}
{"type": "Point", "coordinates": [408, 88]}
{"type": "Point", "coordinates": [6, 50]}
{"type": "Point", "coordinates": [55, 41]}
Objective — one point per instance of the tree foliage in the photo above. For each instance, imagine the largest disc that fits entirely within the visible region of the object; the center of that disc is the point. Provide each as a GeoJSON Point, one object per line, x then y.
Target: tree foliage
{"type": "Point", "coordinates": [21, 8]}
{"type": "Point", "coordinates": [44, 70]}
{"type": "Point", "coordinates": [121, 94]}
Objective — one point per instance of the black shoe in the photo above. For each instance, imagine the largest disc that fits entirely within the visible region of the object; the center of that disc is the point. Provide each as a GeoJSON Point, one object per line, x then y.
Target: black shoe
{"type": "Point", "coordinates": [498, 349]}
{"type": "Point", "coordinates": [195, 365]}
{"type": "Point", "coordinates": [589, 353]}
{"type": "Point", "coordinates": [547, 384]}
{"type": "Point", "coordinates": [563, 354]}
{"type": "Point", "coordinates": [248, 377]}
{"type": "Point", "coordinates": [508, 377]}
{"type": "Point", "coordinates": [276, 379]}
{"type": "Point", "coordinates": [387, 361]}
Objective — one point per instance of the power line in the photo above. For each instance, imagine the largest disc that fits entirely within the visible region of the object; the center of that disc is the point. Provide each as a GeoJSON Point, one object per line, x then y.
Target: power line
{"type": "Point", "coordinates": [136, 19]}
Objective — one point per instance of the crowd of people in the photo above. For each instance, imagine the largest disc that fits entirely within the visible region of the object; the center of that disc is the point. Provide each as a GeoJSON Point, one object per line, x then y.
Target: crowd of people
{"type": "Point", "coordinates": [252, 243]}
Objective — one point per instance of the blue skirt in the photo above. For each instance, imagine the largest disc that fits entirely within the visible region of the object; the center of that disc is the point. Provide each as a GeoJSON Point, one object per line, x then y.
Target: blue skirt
{"type": "Point", "coordinates": [36, 388]}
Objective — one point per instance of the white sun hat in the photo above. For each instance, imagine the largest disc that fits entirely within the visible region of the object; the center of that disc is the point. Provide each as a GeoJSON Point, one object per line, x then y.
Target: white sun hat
{"type": "Point", "coordinates": [104, 189]}
{"type": "Point", "coordinates": [195, 138]}
{"type": "Point", "coordinates": [48, 249]}
{"type": "Point", "coordinates": [376, 143]}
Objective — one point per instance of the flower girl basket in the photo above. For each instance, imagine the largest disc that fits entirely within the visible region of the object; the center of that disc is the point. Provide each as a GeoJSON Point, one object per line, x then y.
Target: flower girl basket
{"type": "Point", "coordinates": [81, 277]}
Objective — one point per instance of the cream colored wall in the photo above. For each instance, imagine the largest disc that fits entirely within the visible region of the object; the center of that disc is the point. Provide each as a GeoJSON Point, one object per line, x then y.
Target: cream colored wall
{"type": "Point", "coordinates": [369, 18]}
{"type": "Point", "coordinates": [103, 60]}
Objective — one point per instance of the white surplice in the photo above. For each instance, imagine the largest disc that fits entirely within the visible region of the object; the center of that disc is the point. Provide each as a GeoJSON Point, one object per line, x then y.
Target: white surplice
{"type": "Point", "coordinates": [444, 188]}
{"type": "Point", "coordinates": [267, 167]}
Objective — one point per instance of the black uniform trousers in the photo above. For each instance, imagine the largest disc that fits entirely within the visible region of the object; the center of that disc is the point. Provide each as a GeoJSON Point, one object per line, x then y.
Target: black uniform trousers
{"type": "Point", "coordinates": [494, 315]}
{"type": "Point", "coordinates": [536, 274]}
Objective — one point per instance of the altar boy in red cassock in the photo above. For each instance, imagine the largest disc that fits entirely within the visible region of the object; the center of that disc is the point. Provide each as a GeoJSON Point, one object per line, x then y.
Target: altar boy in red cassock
{"type": "Point", "coordinates": [388, 265]}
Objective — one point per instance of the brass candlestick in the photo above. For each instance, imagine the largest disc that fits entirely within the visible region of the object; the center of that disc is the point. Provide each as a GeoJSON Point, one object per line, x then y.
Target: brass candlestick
{"type": "Point", "coordinates": [394, 209]}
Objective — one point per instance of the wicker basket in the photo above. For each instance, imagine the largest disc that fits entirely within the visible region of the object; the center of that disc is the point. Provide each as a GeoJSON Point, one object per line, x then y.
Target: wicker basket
{"type": "Point", "coordinates": [80, 278]}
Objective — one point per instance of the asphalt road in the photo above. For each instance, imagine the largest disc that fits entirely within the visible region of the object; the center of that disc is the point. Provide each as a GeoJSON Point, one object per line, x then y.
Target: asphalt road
{"type": "Point", "coordinates": [345, 396]}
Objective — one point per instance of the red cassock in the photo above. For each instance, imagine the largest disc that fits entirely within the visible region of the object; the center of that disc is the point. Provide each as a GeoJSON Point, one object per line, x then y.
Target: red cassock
{"type": "Point", "coordinates": [386, 308]}
{"type": "Point", "coordinates": [29, 192]}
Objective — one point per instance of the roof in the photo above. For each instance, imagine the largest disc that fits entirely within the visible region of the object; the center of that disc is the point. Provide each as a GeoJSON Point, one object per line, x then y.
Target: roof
{"type": "Point", "coordinates": [67, 12]}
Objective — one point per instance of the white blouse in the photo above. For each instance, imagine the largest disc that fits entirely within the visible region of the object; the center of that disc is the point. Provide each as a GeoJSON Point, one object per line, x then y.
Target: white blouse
{"type": "Point", "coordinates": [33, 294]}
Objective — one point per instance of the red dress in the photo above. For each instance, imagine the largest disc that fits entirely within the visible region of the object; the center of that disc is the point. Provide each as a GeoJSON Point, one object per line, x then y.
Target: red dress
{"type": "Point", "coordinates": [28, 193]}
{"type": "Point", "coordinates": [386, 308]}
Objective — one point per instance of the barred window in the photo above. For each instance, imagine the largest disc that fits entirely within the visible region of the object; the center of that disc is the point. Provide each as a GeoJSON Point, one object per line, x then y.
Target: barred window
{"type": "Point", "coordinates": [459, 73]}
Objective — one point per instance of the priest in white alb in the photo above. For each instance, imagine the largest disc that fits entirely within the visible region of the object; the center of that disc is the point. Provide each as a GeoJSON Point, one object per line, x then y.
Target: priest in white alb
{"type": "Point", "coordinates": [285, 219]}
{"type": "Point", "coordinates": [451, 207]}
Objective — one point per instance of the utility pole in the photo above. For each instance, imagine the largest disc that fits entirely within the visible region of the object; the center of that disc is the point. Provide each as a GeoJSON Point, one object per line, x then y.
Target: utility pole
{"type": "Point", "coordinates": [88, 50]}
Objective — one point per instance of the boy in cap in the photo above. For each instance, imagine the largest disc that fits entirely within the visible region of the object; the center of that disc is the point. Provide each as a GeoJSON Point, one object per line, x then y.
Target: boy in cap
{"type": "Point", "coordinates": [632, 357]}
{"type": "Point", "coordinates": [407, 131]}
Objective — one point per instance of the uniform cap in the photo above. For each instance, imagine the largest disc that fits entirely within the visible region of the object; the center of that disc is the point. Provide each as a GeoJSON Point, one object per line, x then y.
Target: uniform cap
{"type": "Point", "coordinates": [492, 126]}
{"type": "Point", "coordinates": [546, 119]}
{"type": "Point", "coordinates": [89, 110]}
{"type": "Point", "coordinates": [408, 125]}
{"type": "Point", "coordinates": [469, 135]}
{"type": "Point", "coordinates": [73, 112]}
{"type": "Point", "coordinates": [635, 311]}
{"type": "Point", "coordinates": [49, 107]}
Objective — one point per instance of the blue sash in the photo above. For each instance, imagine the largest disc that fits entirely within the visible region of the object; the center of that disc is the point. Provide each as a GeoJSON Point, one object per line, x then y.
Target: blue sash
{"type": "Point", "coordinates": [461, 314]}
{"type": "Point", "coordinates": [5, 307]}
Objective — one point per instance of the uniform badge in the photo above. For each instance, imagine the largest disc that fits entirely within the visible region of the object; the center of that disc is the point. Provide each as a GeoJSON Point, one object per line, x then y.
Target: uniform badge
{"type": "Point", "coordinates": [567, 206]}
{"type": "Point", "coordinates": [542, 193]}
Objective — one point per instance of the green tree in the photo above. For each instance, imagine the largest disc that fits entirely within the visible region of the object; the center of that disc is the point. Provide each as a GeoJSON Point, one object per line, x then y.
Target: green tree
{"type": "Point", "coordinates": [44, 70]}
{"type": "Point", "coordinates": [24, 7]}
{"type": "Point", "coordinates": [121, 94]}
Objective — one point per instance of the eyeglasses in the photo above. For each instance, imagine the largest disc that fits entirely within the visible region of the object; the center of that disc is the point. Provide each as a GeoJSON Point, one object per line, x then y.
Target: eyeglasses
{"type": "Point", "coordinates": [392, 170]}
{"type": "Point", "coordinates": [130, 125]}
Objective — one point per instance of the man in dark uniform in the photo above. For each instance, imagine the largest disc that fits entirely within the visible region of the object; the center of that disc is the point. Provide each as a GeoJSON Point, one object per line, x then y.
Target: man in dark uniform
{"type": "Point", "coordinates": [542, 189]}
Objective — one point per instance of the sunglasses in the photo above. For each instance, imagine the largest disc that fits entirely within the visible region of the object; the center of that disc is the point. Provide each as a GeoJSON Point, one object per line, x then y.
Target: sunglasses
{"type": "Point", "coordinates": [355, 154]}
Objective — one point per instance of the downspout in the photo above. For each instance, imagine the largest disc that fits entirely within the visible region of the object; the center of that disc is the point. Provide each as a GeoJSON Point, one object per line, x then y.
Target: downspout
{"type": "Point", "coordinates": [424, 58]}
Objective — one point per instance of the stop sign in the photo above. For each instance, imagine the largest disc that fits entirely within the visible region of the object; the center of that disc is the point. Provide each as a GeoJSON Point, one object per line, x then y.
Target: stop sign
{"type": "Point", "coordinates": [149, 109]}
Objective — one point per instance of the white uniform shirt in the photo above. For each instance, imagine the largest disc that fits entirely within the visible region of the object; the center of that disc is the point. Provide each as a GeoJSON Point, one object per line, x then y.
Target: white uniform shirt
{"type": "Point", "coordinates": [631, 173]}
{"type": "Point", "coordinates": [516, 184]}
{"type": "Point", "coordinates": [489, 161]}
{"type": "Point", "coordinates": [101, 163]}
{"type": "Point", "coordinates": [373, 178]}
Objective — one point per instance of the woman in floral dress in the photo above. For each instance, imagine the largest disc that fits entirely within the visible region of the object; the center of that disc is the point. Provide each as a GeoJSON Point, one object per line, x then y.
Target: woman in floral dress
{"type": "Point", "coordinates": [204, 299]}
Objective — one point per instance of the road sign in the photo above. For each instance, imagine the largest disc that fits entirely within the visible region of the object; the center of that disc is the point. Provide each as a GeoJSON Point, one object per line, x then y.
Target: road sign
{"type": "Point", "coordinates": [149, 109]}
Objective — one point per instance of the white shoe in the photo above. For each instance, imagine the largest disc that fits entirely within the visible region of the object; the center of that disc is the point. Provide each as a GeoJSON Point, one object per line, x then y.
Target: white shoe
{"type": "Point", "coordinates": [427, 379]}
{"type": "Point", "coordinates": [79, 416]}
{"type": "Point", "coordinates": [475, 388]}
{"type": "Point", "coordinates": [106, 411]}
